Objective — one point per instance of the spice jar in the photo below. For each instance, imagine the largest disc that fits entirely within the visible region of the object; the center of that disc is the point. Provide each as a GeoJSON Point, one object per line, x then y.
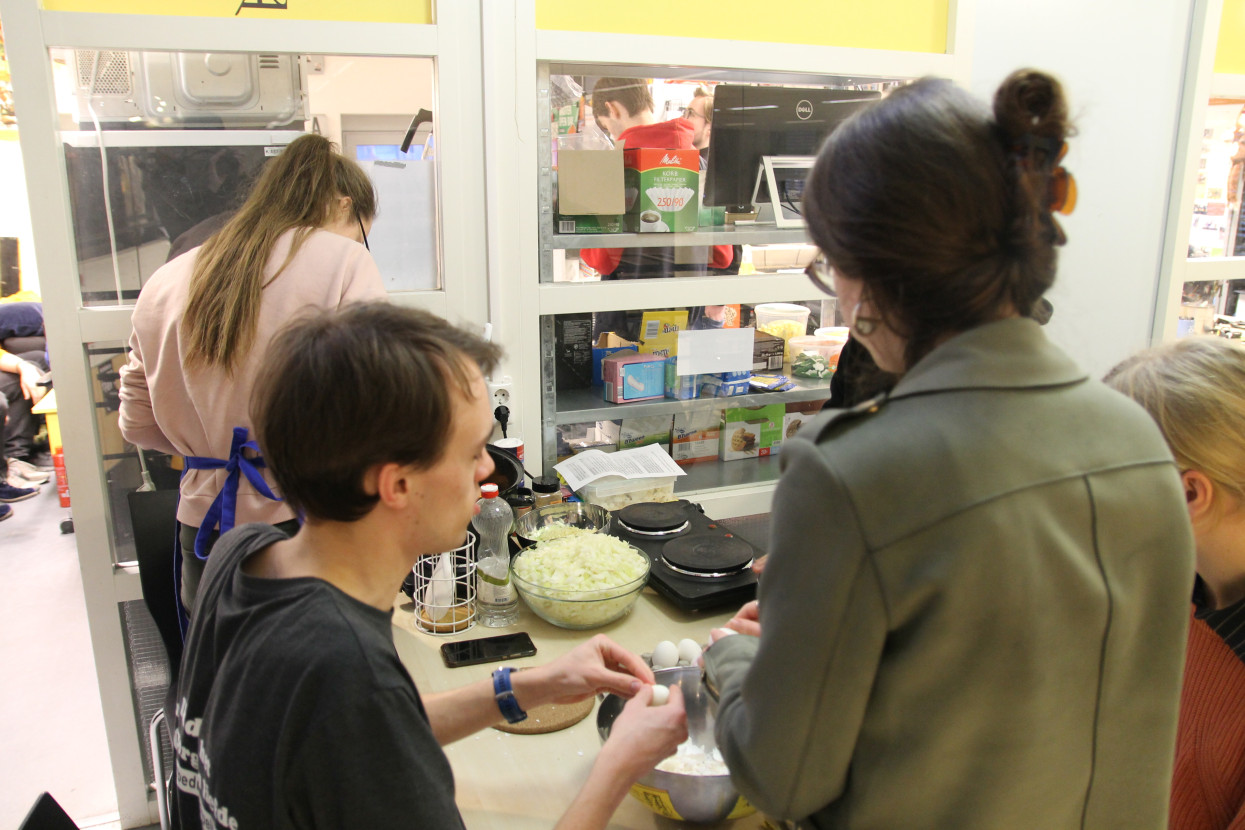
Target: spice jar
{"type": "Point", "coordinates": [546, 491]}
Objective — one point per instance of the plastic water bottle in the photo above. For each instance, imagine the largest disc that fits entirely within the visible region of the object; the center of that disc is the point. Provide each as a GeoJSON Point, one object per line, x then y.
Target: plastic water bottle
{"type": "Point", "coordinates": [497, 602]}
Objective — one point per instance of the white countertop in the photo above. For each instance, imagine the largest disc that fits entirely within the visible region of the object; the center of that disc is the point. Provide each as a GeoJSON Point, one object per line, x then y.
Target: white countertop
{"type": "Point", "coordinates": [525, 782]}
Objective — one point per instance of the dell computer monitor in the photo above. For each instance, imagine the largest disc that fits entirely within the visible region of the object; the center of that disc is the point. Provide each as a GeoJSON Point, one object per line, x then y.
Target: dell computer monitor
{"type": "Point", "coordinates": [754, 121]}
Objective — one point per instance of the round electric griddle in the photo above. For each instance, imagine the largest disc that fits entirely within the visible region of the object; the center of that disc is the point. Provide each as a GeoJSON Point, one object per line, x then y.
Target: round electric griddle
{"type": "Point", "coordinates": [707, 555]}
{"type": "Point", "coordinates": [697, 563]}
{"type": "Point", "coordinates": [655, 519]}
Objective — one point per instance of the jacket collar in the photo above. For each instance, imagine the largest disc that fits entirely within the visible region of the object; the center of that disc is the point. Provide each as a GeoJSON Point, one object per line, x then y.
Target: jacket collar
{"type": "Point", "coordinates": [1006, 354]}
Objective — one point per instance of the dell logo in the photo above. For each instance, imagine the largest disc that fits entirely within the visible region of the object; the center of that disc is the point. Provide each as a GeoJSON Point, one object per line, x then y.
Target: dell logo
{"type": "Point", "coordinates": [804, 110]}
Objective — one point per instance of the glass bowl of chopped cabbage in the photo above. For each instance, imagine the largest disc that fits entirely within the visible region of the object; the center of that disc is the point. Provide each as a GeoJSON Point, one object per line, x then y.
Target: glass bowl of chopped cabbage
{"type": "Point", "coordinates": [582, 581]}
{"type": "Point", "coordinates": [694, 784]}
{"type": "Point", "coordinates": [555, 521]}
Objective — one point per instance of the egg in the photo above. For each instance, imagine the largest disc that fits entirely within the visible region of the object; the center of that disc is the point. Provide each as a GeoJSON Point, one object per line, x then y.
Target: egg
{"type": "Point", "coordinates": [660, 695]}
{"type": "Point", "coordinates": [665, 655]}
{"type": "Point", "coordinates": [689, 652]}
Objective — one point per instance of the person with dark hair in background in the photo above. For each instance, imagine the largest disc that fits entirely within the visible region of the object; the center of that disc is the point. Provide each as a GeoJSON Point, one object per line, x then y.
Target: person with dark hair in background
{"type": "Point", "coordinates": [977, 586]}
{"type": "Point", "coordinates": [293, 708]}
{"type": "Point", "coordinates": [202, 326]}
{"type": "Point", "coordinates": [623, 108]}
{"type": "Point", "coordinates": [1195, 390]}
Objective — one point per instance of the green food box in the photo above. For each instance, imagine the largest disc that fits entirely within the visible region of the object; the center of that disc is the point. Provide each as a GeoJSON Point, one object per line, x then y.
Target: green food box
{"type": "Point", "coordinates": [666, 184]}
{"type": "Point", "coordinates": [751, 431]}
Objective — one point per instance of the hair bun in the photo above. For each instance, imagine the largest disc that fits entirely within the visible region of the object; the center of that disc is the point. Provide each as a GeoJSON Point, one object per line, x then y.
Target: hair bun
{"type": "Point", "coordinates": [1031, 103]}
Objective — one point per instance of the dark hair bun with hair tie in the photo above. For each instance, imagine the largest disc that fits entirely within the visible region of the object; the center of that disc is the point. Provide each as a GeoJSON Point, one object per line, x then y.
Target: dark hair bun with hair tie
{"type": "Point", "coordinates": [942, 206]}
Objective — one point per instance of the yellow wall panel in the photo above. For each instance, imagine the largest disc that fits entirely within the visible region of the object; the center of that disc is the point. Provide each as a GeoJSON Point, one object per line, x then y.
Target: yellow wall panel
{"type": "Point", "coordinates": [903, 25]}
{"type": "Point", "coordinates": [1230, 52]}
{"type": "Point", "coordinates": [359, 11]}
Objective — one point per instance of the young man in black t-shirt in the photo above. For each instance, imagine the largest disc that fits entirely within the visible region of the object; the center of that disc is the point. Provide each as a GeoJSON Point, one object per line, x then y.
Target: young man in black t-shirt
{"type": "Point", "coordinates": [293, 708]}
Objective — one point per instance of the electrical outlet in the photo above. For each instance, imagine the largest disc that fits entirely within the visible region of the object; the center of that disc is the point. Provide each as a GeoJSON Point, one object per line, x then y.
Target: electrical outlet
{"type": "Point", "coordinates": [499, 391]}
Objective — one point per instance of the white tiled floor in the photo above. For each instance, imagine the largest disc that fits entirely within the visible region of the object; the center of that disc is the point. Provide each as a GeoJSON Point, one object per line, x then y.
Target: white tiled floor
{"type": "Point", "coordinates": [51, 724]}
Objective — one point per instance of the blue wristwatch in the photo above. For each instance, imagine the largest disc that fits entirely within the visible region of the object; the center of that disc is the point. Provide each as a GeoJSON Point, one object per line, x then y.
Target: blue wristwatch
{"type": "Point", "coordinates": [504, 695]}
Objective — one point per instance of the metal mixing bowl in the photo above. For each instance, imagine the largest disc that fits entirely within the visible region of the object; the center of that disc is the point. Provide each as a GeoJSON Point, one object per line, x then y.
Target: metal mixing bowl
{"type": "Point", "coordinates": [698, 798]}
{"type": "Point", "coordinates": [569, 514]}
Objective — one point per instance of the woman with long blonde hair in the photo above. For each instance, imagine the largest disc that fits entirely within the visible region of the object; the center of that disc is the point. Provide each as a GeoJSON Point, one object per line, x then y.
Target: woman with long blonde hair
{"type": "Point", "coordinates": [203, 323]}
{"type": "Point", "coordinates": [1195, 390]}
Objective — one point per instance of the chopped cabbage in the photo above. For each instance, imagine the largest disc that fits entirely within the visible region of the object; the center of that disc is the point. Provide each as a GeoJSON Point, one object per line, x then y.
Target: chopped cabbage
{"type": "Point", "coordinates": [557, 531]}
{"type": "Point", "coordinates": [582, 581]}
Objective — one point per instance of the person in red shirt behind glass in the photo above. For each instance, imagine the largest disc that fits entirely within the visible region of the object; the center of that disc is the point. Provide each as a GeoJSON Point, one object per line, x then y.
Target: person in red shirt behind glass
{"type": "Point", "coordinates": [623, 108]}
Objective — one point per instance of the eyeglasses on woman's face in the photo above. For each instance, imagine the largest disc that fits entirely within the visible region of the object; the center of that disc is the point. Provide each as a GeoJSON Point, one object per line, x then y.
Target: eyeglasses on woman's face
{"type": "Point", "coordinates": [821, 273]}
{"type": "Point", "coordinates": [688, 112]}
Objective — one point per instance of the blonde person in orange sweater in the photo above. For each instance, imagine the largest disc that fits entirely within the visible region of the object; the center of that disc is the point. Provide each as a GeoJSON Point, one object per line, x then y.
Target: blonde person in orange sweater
{"type": "Point", "coordinates": [203, 323]}
{"type": "Point", "coordinates": [1195, 390]}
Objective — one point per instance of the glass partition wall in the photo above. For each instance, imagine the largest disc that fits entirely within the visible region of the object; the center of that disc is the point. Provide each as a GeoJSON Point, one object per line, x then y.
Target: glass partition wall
{"type": "Point", "coordinates": [140, 135]}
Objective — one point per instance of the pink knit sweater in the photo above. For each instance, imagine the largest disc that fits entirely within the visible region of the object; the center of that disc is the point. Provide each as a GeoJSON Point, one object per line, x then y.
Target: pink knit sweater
{"type": "Point", "coordinates": [166, 408]}
{"type": "Point", "coordinates": [1208, 791]}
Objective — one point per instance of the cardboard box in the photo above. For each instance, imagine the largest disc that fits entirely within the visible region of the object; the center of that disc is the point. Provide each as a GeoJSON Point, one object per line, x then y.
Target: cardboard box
{"type": "Point", "coordinates": [659, 332]}
{"type": "Point", "coordinates": [640, 432]}
{"type": "Point", "coordinates": [798, 414]}
{"type": "Point", "coordinates": [608, 344]}
{"type": "Point", "coordinates": [725, 384]}
{"type": "Point", "coordinates": [572, 352]}
{"type": "Point", "coordinates": [751, 431]}
{"type": "Point", "coordinates": [767, 352]}
{"type": "Point", "coordinates": [680, 387]}
{"type": "Point", "coordinates": [590, 191]}
{"type": "Point", "coordinates": [573, 439]}
{"type": "Point", "coordinates": [667, 184]}
{"type": "Point", "coordinates": [633, 377]}
{"type": "Point", "coordinates": [694, 436]}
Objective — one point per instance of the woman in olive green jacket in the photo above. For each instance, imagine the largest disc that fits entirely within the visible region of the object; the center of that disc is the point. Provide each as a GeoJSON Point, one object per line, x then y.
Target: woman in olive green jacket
{"type": "Point", "coordinates": [974, 610]}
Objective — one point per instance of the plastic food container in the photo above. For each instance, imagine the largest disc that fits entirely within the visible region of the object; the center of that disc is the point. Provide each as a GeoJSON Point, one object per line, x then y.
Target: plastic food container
{"type": "Point", "coordinates": [827, 347]}
{"type": "Point", "coordinates": [785, 320]}
{"type": "Point", "coordinates": [833, 333]}
{"type": "Point", "coordinates": [616, 492]}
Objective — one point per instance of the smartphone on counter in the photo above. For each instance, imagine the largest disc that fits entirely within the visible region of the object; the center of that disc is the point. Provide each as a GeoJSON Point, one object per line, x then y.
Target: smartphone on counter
{"type": "Point", "coordinates": [487, 649]}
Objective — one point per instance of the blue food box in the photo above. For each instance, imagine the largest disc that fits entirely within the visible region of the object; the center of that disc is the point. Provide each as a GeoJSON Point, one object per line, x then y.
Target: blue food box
{"type": "Point", "coordinates": [633, 377]}
{"type": "Point", "coordinates": [725, 384]}
{"type": "Point", "coordinates": [681, 387]}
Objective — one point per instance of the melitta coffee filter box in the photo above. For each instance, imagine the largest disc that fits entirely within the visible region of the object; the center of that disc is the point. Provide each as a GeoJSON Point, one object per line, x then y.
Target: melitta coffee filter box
{"type": "Point", "coordinates": [667, 184]}
{"type": "Point", "coordinates": [751, 431]}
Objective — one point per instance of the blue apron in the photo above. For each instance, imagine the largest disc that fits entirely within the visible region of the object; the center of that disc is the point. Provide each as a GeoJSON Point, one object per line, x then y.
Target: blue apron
{"type": "Point", "coordinates": [223, 511]}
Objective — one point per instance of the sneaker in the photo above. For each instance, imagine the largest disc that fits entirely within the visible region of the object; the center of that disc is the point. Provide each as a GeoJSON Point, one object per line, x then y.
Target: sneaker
{"type": "Point", "coordinates": [9, 493]}
{"type": "Point", "coordinates": [17, 482]}
{"type": "Point", "coordinates": [28, 471]}
{"type": "Point", "coordinates": [5, 512]}
{"type": "Point", "coordinates": [41, 460]}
